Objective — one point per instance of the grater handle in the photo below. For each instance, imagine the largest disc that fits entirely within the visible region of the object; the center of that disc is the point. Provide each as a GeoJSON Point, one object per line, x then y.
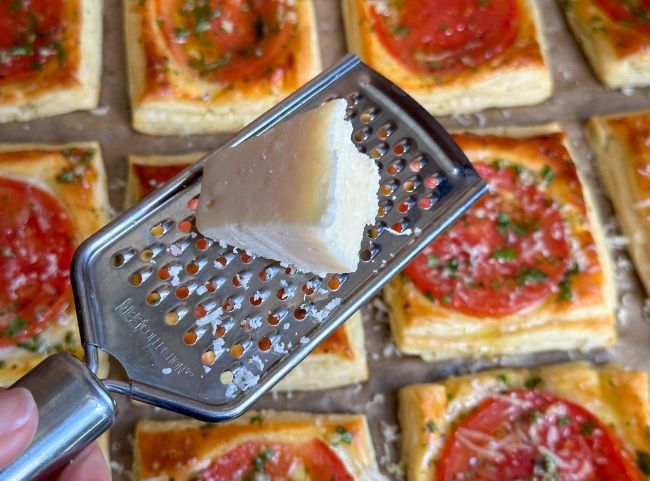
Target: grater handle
{"type": "Point", "coordinates": [74, 409]}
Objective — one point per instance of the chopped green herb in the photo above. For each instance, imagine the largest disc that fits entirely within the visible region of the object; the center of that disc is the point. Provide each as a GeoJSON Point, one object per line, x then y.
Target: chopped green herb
{"type": "Point", "coordinates": [502, 378]}
{"type": "Point", "coordinates": [263, 457]}
{"type": "Point", "coordinates": [400, 30]}
{"type": "Point", "coordinates": [3, 364]}
{"type": "Point", "coordinates": [507, 253]}
{"type": "Point", "coordinates": [587, 428]}
{"type": "Point", "coordinates": [6, 252]}
{"type": "Point", "coordinates": [257, 419]}
{"type": "Point", "coordinates": [534, 417]}
{"type": "Point", "coordinates": [69, 337]}
{"type": "Point", "coordinates": [432, 260]}
{"type": "Point", "coordinates": [451, 265]}
{"type": "Point", "coordinates": [431, 426]}
{"type": "Point", "coordinates": [181, 34]}
{"type": "Point", "coordinates": [66, 177]}
{"type": "Point", "coordinates": [596, 24]}
{"type": "Point", "coordinates": [443, 26]}
{"type": "Point", "coordinates": [344, 434]}
{"type": "Point", "coordinates": [15, 327]}
{"type": "Point", "coordinates": [483, 2]}
{"type": "Point", "coordinates": [16, 5]}
{"type": "Point", "coordinates": [563, 421]}
{"type": "Point", "coordinates": [439, 80]}
{"type": "Point", "coordinates": [532, 382]}
{"type": "Point", "coordinates": [208, 426]}
{"type": "Point", "coordinates": [549, 469]}
{"type": "Point", "coordinates": [566, 293]}
{"type": "Point", "coordinates": [21, 50]}
{"type": "Point", "coordinates": [531, 275]}
{"type": "Point", "coordinates": [35, 344]}
{"type": "Point", "coordinates": [547, 174]}
{"type": "Point", "coordinates": [429, 296]}
{"type": "Point", "coordinates": [446, 299]}
{"type": "Point", "coordinates": [643, 461]}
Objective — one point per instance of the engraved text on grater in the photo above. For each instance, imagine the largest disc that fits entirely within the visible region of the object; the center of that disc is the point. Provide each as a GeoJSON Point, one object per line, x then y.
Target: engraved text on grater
{"type": "Point", "coordinates": [139, 323]}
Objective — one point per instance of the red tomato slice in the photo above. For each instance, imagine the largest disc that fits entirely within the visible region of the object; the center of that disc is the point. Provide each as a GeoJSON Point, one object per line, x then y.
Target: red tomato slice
{"type": "Point", "coordinates": [36, 247]}
{"type": "Point", "coordinates": [507, 253]}
{"type": "Point", "coordinates": [228, 40]}
{"type": "Point", "coordinates": [634, 14]}
{"type": "Point", "coordinates": [446, 36]}
{"type": "Point", "coordinates": [153, 176]}
{"type": "Point", "coordinates": [533, 435]}
{"type": "Point", "coordinates": [279, 461]}
{"type": "Point", "coordinates": [30, 34]}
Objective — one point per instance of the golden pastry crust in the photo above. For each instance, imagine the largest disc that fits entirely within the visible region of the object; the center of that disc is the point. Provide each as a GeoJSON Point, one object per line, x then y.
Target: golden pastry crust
{"type": "Point", "coordinates": [617, 397]}
{"type": "Point", "coordinates": [433, 331]}
{"type": "Point", "coordinates": [170, 99]}
{"type": "Point", "coordinates": [518, 76]}
{"type": "Point", "coordinates": [339, 360]}
{"type": "Point", "coordinates": [618, 53]}
{"type": "Point", "coordinates": [623, 160]}
{"type": "Point", "coordinates": [61, 86]}
{"type": "Point", "coordinates": [86, 201]}
{"type": "Point", "coordinates": [191, 445]}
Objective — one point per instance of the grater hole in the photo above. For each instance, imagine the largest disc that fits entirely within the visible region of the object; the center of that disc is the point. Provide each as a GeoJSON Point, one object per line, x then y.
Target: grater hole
{"type": "Point", "coordinates": [136, 279]}
{"type": "Point", "coordinates": [190, 337]}
{"type": "Point", "coordinates": [155, 297]}
{"type": "Point", "coordinates": [300, 313]}
{"type": "Point", "coordinates": [368, 116]}
{"type": "Point", "coordinates": [267, 273]}
{"type": "Point", "coordinates": [275, 318]}
{"type": "Point", "coordinates": [417, 164]}
{"type": "Point", "coordinates": [404, 206]}
{"type": "Point", "coordinates": [157, 231]}
{"type": "Point", "coordinates": [290, 271]}
{"type": "Point", "coordinates": [395, 167]}
{"type": "Point", "coordinates": [220, 331]}
{"type": "Point", "coordinates": [400, 227]}
{"type": "Point", "coordinates": [208, 358]}
{"type": "Point", "coordinates": [177, 248]}
{"type": "Point", "coordinates": [387, 188]}
{"type": "Point", "coordinates": [310, 287]}
{"type": "Point", "coordinates": [184, 291]}
{"type": "Point", "coordinates": [226, 377]}
{"type": "Point", "coordinates": [120, 258]}
{"type": "Point", "coordinates": [362, 134]}
{"type": "Point", "coordinates": [193, 203]}
{"type": "Point", "coordinates": [185, 226]}
{"type": "Point", "coordinates": [213, 284]}
{"type": "Point", "coordinates": [147, 255]}
{"type": "Point", "coordinates": [195, 265]}
{"type": "Point", "coordinates": [246, 258]}
{"type": "Point", "coordinates": [264, 344]}
{"type": "Point", "coordinates": [428, 201]}
{"type": "Point", "coordinates": [175, 315]}
{"type": "Point", "coordinates": [334, 283]}
{"type": "Point", "coordinates": [367, 255]}
{"type": "Point", "coordinates": [202, 243]}
{"type": "Point", "coordinates": [385, 131]}
{"type": "Point", "coordinates": [353, 99]}
{"type": "Point", "coordinates": [402, 147]}
{"type": "Point", "coordinates": [378, 151]}
{"type": "Point", "coordinates": [246, 325]}
{"type": "Point", "coordinates": [384, 208]}
{"type": "Point", "coordinates": [237, 350]}
{"type": "Point", "coordinates": [259, 297]}
{"type": "Point", "coordinates": [222, 261]}
{"type": "Point", "coordinates": [231, 304]}
{"type": "Point", "coordinates": [376, 230]}
{"type": "Point", "coordinates": [431, 182]}
{"type": "Point", "coordinates": [411, 184]}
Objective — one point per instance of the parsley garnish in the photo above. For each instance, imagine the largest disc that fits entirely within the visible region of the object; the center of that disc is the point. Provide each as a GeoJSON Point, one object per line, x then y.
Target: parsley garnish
{"type": "Point", "coordinates": [587, 428]}
{"type": "Point", "coordinates": [257, 419]}
{"type": "Point", "coordinates": [563, 421]}
{"type": "Point", "coordinates": [3, 364]}
{"type": "Point", "coordinates": [15, 327]}
{"type": "Point", "coordinates": [566, 293]}
{"type": "Point", "coordinates": [502, 378]}
{"type": "Point", "coordinates": [35, 344]}
{"type": "Point", "coordinates": [532, 382]}
{"type": "Point", "coordinates": [507, 253]}
{"type": "Point", "coordinates": [531, 275]}
{"type": "Point", "coordinates": [342, 436]}
{"type": "Point", "coordinates": [263, 457]}
{"type": "Point", "coordinates": [547, 174]}
{"type": "Point", "coordinates": [69, 337]}
{"type": "Point", "coordinates": [432, 260]}
{"type": "Point", "coordinates": [643, 461]}
{"type": "Point", "coordinates": [66, 177]}
{"type": "Point", "coordinates": [431, 426]}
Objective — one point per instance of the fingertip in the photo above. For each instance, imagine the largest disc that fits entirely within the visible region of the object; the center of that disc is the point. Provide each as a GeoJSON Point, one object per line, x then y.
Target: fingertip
{"type": "Point", "coordinates": [18, 423]}
{"type": "Point", "coordinates": [89, 465]}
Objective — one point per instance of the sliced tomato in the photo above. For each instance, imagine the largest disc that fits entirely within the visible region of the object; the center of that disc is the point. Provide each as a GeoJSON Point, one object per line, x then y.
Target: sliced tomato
{"type": "Point", "coordinates": [631, 13]}
{"type": "Point", "coordinates": [445, 36]}
{"type": "Point", "coordinates": [154, 176]}
{"type": "Point", "coordinates": [30, 34]}
{"type": "Point", "coordinates": [228, 40]}
{"type": "Point", "coordinates": [278, 462]}
{"type": "Point", "coordinates": [507, 253]}
{"type": "Point", "coordinates": [36, 247]}
{"type": "Point", "coordinates": [533, 435]}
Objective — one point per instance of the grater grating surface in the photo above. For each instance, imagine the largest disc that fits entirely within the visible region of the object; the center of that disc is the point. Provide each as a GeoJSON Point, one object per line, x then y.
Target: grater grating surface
{"type": "Point", "coordinates": [205, 329]}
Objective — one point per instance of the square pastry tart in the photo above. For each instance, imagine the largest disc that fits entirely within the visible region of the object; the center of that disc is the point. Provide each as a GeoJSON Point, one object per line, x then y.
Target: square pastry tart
{"type": "Point", "coordinates": [453, 56]}
{"type": "Point", "coordinates": [567, 421]}
{"type": "Point", "coordinates": [259, 445]}
{"type": "Point", "coordinates": [337, 361]}
{"type": "Point", "coordinates": [197, 66]}
{"type": "Point", "coordinates": [620, 143]}
{"type": "Point", "coordinates": [50, 57]}
{"type": "Point", "coordinates": [52, 197]}
{"type": "Point", "coordinates": [525, 270]}
{"type": "Point", "coordinates": [615, 37]}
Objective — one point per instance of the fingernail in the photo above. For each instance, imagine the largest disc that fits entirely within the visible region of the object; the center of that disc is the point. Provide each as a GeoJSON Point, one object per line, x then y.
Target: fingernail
{"type": "Point", "coordinates": [16, 407]}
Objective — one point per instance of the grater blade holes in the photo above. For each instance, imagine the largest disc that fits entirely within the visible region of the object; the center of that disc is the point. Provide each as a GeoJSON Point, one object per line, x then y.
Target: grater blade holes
{"type": "Point", "coordinates": [195, 265]}
{"type": "Point", "coordinates": [368, 254]}
{"type": "Point", "coordinates": [193, 203]}
{"type": "Point", "coordinates": [258, 297]}
{"type": "Point", "coordinates": [190, 337]}
{"type": "Point", "coordinates": [395, 167]}
{"type": "Point", "coordinates": [428, 201]}
{"type": "Point", "coordinates": [405, 205]}
{"type": "Point", "coordinates": [264, 344]}
{"type": "Point", "coordinates": [432, 181]}
{"type": "Point", "coordinates": [202, 243]}
{"type": "Point", "coordinates": [388, 187]}
{"type": "Point", "coordinates": [402, 147]}
{"type": "Point", "coordinates": [208, 358]}
{"type": "Point", "coordinates": [174, 316]}
{"type": "Point", "coordinates": [226, 377]}
{"type": "Point", "coordinates": [159, 230]}
{"type": "Point", "coordinates": [156, 296]}
{"type": "Point", "coordinates": [176, 249]}
{"type": "Point", "coordinates": [311, 285]}
{"type": "Point", "coordinates": [417, 164]}
{"type": "Point", "coordinates": [362, 134]}
{"type": "Point", "coordinates": [378, 151]}
{"type": "Point", "coordinates": [412, 184]}
{"type": "Point", "coordinates": [184, 291]}
{"type": "Point", "coordinates": [385, 131]}
{"type": "Point", "coordinates": [401, 226]}
{"type": "Point", "coordinates": [376, 230]}
{"type": "Point", "coordinates": [385, 207]}
{"type": "Point", "coordinates": [369, 115]}
{"type": "Point", "coordinates": [120, 258]}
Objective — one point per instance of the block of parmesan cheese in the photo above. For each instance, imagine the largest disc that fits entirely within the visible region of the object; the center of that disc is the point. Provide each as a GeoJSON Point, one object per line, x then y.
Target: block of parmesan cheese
{"type": "Point", "coordinates": [300, 193]}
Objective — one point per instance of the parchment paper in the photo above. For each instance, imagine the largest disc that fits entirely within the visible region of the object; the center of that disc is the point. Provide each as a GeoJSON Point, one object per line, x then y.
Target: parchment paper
{"type": "Point", "coordinates": [577, 96]}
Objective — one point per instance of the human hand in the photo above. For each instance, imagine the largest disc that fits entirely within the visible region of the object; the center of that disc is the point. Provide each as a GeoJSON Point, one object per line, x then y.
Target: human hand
{"type": "Point", "coordinates": [18, 422]}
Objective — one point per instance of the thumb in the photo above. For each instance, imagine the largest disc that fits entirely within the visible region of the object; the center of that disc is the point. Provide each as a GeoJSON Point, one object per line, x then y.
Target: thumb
{"type": "Point", "coordinates": [18, 422]}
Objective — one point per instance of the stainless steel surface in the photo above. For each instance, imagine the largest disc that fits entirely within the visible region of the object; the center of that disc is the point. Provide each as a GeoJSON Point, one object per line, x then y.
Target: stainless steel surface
{"type": "Point", "coordinates": [74, 409]}
{"type": "Point", "coordinates": [124, 300]}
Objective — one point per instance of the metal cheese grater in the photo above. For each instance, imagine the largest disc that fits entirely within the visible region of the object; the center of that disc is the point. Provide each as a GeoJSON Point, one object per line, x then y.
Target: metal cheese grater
{"type": "Point", "coordinates": [204, 329]}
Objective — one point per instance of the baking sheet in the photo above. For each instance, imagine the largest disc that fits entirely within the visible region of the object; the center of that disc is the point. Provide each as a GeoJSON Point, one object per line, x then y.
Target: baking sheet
{"type": "Point", "coordinates": [577, 96]}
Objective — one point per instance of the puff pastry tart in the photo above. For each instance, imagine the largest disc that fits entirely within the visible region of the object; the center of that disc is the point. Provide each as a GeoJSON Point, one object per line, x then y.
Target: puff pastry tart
{"type": "Point", "coordinates": [199, 66]}
{"type": "Point", "coordinates": [623, 159]}
{"type": "Point", "coordinates": [453, 56]}
{"type": "Point", "coordinates": [526, 269]}
{"type": "Point", "coordinates": [615, 36]}
{"type": "Point", "coordinates": [564, 422]}
{"type": "Point", "coordinates": [51, 198]}
{"type": "Point", "coordinates": [337, 361]}
{"type": "Point", "coordinates": [50, 57]}
{"type": "Point", "coordinates": [259, 445]}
